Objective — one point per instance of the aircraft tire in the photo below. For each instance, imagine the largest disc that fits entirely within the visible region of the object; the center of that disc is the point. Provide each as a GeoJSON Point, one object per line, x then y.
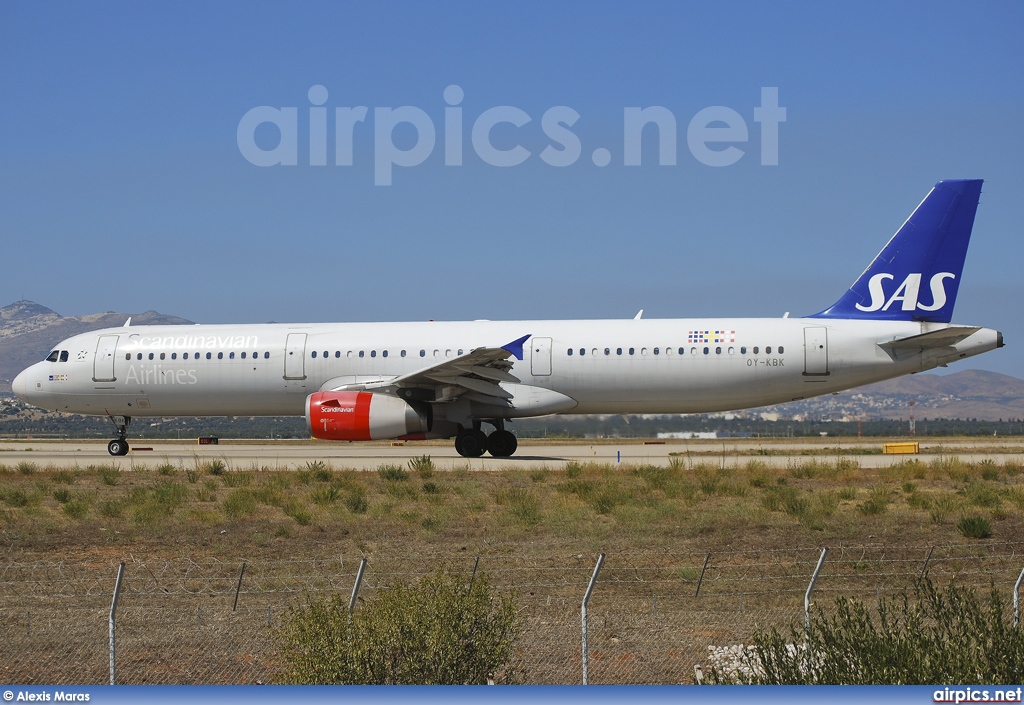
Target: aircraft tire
{"type": "Point", "coordinates": [118, 446]}
{"type": "Point", "coordinates": [471, 444]}
{"type": "Point", "coordinates": [502, 444]}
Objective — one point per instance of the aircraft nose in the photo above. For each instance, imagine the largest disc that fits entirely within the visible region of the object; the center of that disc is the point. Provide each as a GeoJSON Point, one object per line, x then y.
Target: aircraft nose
{"type": "Point", "coordinates": [20, 386]}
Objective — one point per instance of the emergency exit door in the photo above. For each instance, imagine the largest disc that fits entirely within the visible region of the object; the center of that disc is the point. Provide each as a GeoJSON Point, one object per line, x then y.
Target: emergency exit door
{"type": "Point", "coordinates": [816, 351]}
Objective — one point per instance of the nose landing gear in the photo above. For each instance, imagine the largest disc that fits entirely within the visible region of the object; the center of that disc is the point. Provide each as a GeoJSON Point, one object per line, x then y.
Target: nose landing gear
{"type": "Point", "coordinates": [119, 446]}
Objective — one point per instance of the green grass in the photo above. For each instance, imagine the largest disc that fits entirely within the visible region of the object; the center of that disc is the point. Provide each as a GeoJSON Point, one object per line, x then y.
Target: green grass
{"type": "Point", "coordinates": [393, 473]}
{"type": "Point", "coordinates": [974, 527]}
{"type": "Point", "coordinates": [108, 475]}
{"type": "Point", "coordinates": [657, 507]}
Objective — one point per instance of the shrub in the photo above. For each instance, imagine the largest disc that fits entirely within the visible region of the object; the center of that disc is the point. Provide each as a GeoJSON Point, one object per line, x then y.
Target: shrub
{"type": "Point", "coordinates": [521, 504]}
{"type": "Point", "coordinates": [319, 470]}
{"type": "Point", "coordinates": [237, 479]}
{"type": "Point", "coordinates": [974, 527]}
{"type": "Point", "coordinates": [26, 468]}
{"type": "Point", "coordinates": [239, 504]}
{"type": "Point", "coordinates": [929, 636]}
{"type": "Point", "coordinates": [166, 470]}
{"type": "Point", "coordinates": [432, 632]}
{"type": "Point", "coordinates": [76, 509]}
{"type": "Point", "coordinates": [62, 495]}
{"type": "Point", "coordinates": [64, 477]}
{"type": "Point", "coordinates": [877, 501]}
{"type": "Point", "coordinates": [215, 467]}
{"type": "Point", "coordinates": [108, 475]}
{"type": "Point", "coordinates": [423, 466]}
{"type": "Point", "coordinates": [356, 501]}
{"type": "Point", "coordinates": [392, 473]}
{"type": "Point", "coordinates": [325, 495]}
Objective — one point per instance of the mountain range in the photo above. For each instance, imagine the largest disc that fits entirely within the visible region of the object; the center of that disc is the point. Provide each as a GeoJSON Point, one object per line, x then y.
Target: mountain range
{"type": "Point", "coordinates": [29, 330]}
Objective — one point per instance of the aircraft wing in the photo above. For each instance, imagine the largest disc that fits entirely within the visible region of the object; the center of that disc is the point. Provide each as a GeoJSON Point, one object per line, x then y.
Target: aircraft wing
{"type": "Point", "coordinates": [476, 374]}
{"type": "Point", "coordinates": [942, 338]}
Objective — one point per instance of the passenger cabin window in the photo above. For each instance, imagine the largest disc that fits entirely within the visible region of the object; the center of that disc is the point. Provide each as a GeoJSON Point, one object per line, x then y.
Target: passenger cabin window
{"type": "Point", "coordinates": [780, 350]}
{"type": "Point", "coordinates": [266, 356]}
{"type": "Point", "coordinates": [220, 356]}
{"type": "Point", "coordinates": [231, 355]}
{"type": "Point", "coordinates": [618, 351]}
{"type": "Point", "coordinates": [313, 354]}
{"type": "Point", "coordinates": [209, 356]}
{"type": "Point", "coordinates": [682, 351]}
{"type": "Point", "coordinates": [768, 350]}
{"type": "Point", "coordinates": [569, 352]}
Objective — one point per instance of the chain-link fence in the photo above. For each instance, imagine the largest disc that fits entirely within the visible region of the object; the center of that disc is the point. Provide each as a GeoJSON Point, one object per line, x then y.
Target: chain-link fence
{"type": "Point", "coordinates": [652, 616]}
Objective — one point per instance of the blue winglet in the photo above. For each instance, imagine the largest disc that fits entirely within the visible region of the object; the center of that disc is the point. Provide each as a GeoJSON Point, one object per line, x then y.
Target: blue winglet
{"type": "Point", "coordinates": [516, 346]}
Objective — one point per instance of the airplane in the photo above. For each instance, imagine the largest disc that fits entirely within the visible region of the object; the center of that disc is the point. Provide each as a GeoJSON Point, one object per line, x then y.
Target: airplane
{"type": "Point", "coordinates": [425, 380]}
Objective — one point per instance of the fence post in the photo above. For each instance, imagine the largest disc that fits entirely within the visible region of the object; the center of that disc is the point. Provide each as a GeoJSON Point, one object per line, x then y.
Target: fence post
{"type": "Point", "coordinates": [810, 587]}
{"type": "Point", "coordinates": [925, 568]}
{"type": "Point", "coordinates": [701, 579]}
{"type": "Point", "coordinates": [355, 587]}
{"type": "Point", "coordinates": [238, 588]}
{"type": "Point", "coordinates": [113, 619]}
{"type": "Point", "coordinates": [476, 563]}
{"type": "Point", "coordinates": [1016, 599]}
{"type": "Point", "coordinates": [583, 614]}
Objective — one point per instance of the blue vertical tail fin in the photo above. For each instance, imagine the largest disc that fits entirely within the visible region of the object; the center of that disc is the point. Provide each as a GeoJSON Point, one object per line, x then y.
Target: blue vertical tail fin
{"type": "Point", "coordinates": [916, 276]}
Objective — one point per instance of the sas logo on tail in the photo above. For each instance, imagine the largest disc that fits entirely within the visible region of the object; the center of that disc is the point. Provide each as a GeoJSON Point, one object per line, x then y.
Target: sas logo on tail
{"type": "Point", "coordinates": [907, 293]}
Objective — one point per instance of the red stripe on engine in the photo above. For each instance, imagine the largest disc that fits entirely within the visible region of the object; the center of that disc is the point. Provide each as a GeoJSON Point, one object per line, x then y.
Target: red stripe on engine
{"type": "Point", "coordinates": [361, 422]}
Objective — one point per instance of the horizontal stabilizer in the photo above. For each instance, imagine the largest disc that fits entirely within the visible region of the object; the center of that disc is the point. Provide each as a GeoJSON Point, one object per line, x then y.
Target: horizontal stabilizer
{"type": "Point", "coordinates": [942, 338]}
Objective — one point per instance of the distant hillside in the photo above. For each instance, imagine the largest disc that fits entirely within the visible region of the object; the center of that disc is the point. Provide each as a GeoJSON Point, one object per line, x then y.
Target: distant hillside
{"type": "Point", "coordinates": [28, 331]}
{"type": "Point", "coordinates": [971, 394]}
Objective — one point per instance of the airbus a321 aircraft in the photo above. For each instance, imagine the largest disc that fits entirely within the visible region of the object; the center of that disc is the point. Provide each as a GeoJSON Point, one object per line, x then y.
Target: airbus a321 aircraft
{"type": "Point", "coordinates": [369, 381]}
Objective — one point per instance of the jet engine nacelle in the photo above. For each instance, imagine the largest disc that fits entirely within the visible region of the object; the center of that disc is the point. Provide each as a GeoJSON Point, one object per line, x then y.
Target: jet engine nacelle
{"type": "Point", "coordinates": [361, 416]}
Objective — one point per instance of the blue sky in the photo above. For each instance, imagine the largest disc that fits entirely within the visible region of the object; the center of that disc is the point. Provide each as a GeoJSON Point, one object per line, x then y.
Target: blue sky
{"type": "Point", "coordinates": [123, 186]}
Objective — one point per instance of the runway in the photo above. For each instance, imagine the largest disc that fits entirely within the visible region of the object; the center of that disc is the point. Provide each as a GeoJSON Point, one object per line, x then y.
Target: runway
{"type": "Point", "coordinates": [291, 455]}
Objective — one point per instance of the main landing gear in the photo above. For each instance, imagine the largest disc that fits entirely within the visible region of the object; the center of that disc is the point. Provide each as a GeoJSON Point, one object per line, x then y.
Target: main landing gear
{"type": "Point", "coordinates": [472, 442]}
{"type": "Point", "coordinates": [119, 446]}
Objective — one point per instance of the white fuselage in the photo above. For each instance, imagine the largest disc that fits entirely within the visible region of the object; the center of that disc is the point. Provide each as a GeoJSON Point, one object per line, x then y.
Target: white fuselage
{"type": "Point", "coordinates": [606, 367]}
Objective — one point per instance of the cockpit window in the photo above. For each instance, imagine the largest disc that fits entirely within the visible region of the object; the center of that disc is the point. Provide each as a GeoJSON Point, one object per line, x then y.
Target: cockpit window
{"type": "Point", "coordinates": [63, 355]}
{"type": "Point", "coordinates": [54, 356]}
